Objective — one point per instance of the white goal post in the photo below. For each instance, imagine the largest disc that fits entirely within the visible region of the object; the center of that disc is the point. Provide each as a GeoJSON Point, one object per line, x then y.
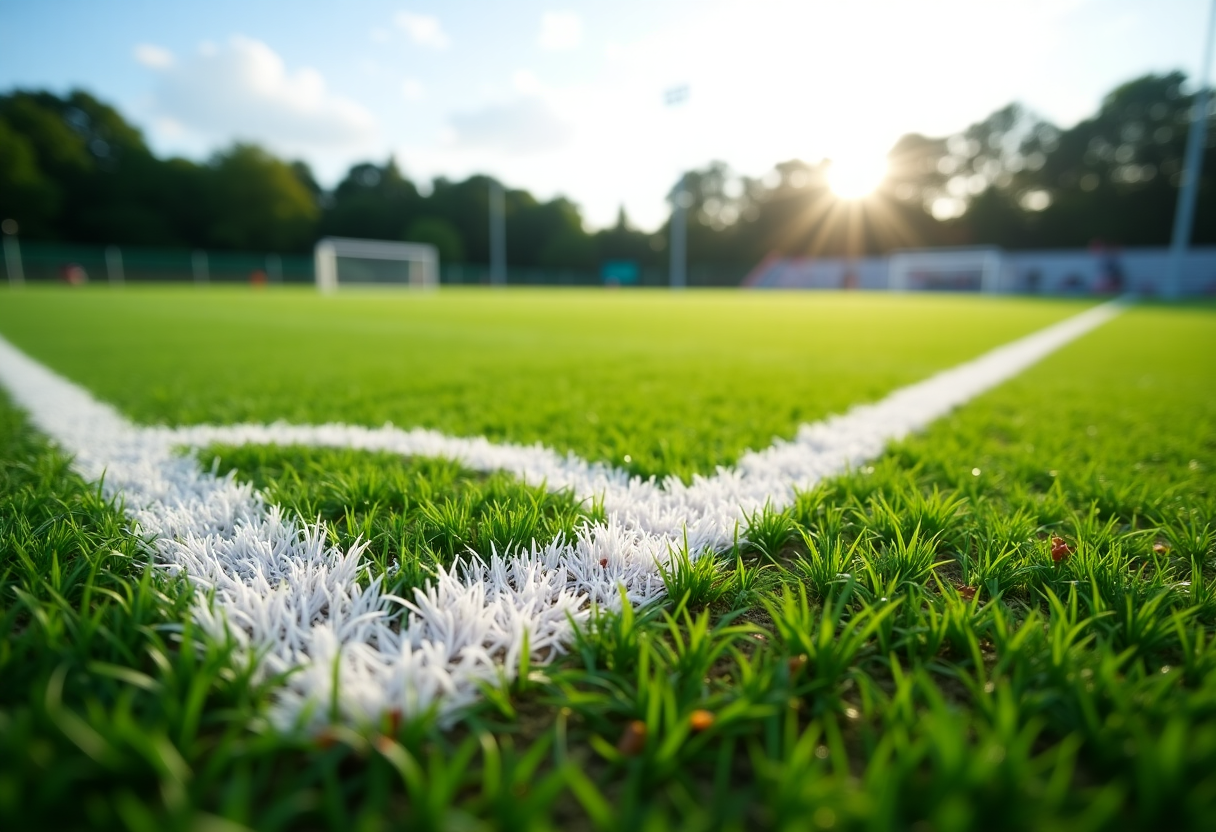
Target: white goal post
{"type": "Point", "coordinates": [946, 269]}
{"type": "Point", "coordinates": [345, 261]}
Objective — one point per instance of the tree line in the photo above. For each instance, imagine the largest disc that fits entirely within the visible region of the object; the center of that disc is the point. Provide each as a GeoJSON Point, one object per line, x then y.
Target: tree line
{"type": "Point", "coordinates": [73, 169]}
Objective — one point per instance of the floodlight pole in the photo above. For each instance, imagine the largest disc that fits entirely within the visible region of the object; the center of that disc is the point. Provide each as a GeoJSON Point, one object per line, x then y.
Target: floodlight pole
{"type": "Point", "coordinates": [12, 254]}
{"type": "Point", "coordinates": [274, 268]}
{"type": "Point", "coordinates": [679, 237]}
{"type": "Point", "coordinates": [201, 274]}
{"type": "Point", "coordinates": [498, 234]}
{"type": "Point", "coordinates": [1192, 166]}
{"type": "Point", "coordinates": [114, 265]}
{"type": "Point", "coordinates": [678, 231]}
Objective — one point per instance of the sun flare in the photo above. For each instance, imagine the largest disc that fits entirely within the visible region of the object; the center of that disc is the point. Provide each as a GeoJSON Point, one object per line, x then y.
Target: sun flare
{"type": "Point", "coordinates": [854, 178]}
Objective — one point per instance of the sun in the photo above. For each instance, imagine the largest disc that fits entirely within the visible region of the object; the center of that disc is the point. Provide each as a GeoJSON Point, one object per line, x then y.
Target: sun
{"type": "Point", "coordinates": [856, 177]}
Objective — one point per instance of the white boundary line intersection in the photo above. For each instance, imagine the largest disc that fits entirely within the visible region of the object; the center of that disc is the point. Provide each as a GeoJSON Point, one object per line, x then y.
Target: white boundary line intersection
{"type": "Point", "coordinates": [299, 605]}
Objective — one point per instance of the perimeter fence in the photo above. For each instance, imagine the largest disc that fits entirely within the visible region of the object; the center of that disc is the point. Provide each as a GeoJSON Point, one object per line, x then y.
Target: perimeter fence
{"type": "Point", "coordinates": [47, 262]}
{"type": "Point", "coordinates": [71, 263]}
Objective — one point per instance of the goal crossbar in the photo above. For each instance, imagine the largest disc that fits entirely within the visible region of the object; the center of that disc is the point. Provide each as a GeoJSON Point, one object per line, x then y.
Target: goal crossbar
{"type": "Point", "coordinates": [423, 260]}
{"type": "Point", "coordinates": [946, 268]}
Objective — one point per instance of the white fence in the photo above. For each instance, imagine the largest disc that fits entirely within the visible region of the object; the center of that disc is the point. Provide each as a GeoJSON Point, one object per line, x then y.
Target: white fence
{"type": "Point", "coordinates": [1052, 272]}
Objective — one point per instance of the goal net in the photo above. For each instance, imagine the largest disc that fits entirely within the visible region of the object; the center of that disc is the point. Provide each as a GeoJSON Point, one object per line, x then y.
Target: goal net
{"type": "Point", "coordinates": [344, 261]}
{"type": "Point", "coordinates": [947, 270]}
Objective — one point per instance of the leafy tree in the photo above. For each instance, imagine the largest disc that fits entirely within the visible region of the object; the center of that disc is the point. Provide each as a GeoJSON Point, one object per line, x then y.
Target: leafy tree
{"type": "Point", "coordinates": [548, 234]}
{"type": "Point", "coordinates": [569, 249]}
{"type": "Point", "coordinates": [466, 207]}
{"type": "Point", "coordinates": [373, 202]}
{"type": "Point", "coordinates": [624, 242]}
{"type": "Point", "coordinates": [1017, 181]}
{"type": "Point", "coordinates": [1115, 176]}
{"type": "Point", "coordinates": [441, 234]}
{"type": "Point", "coordinates": [304, 173]}
{"type": "Point", "coordinates": [259, 202]}
{"type": "Point", "coordinates": [103, 172]}
{"type": "Point", "coordinates": [26, 194]}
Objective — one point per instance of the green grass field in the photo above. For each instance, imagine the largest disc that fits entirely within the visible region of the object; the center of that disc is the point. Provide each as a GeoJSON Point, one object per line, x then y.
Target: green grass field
{"type": "Point", "coordinates": [898, 650]}
{"type": "Point", "coordinates": [678, 385]}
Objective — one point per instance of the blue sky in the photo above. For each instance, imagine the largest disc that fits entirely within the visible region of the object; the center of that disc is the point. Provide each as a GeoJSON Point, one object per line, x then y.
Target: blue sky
{"type": "Point", "coordinates": [567, 97]}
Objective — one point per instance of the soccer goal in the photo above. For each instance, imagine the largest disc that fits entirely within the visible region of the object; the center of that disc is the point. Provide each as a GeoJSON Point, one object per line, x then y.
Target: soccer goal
{"type": "Point", "coordinates": [344, 261]}
{"type": "Point", "coordinates": [947, 270]}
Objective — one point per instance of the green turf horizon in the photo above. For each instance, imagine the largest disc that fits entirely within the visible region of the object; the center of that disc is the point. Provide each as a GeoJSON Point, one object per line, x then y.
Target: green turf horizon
{"type": "Point", "coordinates": [1078, 695]}
{"type": "Point", "coordinates": [654, 381]}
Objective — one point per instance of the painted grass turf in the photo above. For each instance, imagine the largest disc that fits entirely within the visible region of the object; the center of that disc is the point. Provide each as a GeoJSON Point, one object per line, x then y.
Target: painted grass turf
{"type": "Point", "coordinates": [647, 381]}
{"type": "Point", "coordinates": [852, 683]}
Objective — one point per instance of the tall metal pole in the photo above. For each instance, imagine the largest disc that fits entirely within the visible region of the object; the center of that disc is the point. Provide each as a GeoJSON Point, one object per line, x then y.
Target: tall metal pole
{"type": "Point", "coordinates": [12, 254]}
{"type": "Point", "coordinates": [201, 274]}
{"type": "Point", "coordinates": [679, 236]}
{"type": "Point", "coordinates": [114, 265]}
{"type": "Point", "coordinates": [678, 232]}
{"type": "Point", "coordinates": [1192, 166]}
{"type": "Point", "coordinates": [498, 234]}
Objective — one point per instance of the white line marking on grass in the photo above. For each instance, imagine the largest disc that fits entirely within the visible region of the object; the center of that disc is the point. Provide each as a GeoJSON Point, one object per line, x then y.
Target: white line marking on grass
{"type": "Point", "coordinates": [300, 605]}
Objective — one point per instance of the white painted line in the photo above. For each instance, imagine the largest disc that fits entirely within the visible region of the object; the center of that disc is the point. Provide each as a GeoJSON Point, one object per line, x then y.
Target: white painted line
{"type": "Point", "coordinates": [300, 605]}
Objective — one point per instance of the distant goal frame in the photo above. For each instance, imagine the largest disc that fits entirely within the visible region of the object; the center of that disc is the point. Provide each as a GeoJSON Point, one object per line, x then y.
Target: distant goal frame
{"type": "Point", "coordinates": [422, 260]}
{"type": "Point", "coordinates": [988, 262]}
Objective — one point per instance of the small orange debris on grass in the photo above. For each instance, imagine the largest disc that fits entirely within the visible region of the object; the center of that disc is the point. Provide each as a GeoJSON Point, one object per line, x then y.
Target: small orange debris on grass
{"type": "Point", "coordinates": [633, 741]}
{"type": "Point", "coordinates": [1059, 549]}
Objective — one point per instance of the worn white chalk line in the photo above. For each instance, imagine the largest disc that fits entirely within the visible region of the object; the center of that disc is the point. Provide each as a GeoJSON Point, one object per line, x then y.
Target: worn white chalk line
{"type": "Point", "coordinates": [296, 604]}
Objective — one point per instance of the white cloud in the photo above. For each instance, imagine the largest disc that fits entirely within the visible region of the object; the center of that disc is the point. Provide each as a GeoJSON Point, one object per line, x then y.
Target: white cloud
{"type": "Point", "coordinates": [525, 126]}
{"type": "Point", "coordinates": [526, 82]}
{"type": "Point", "coordinates": [412, 89]}
{"type": "Point", "coordinates": [244, 89]}
{"type": "Point", "coordinates": [169, 127]}
{"type": "Point", "coordinates": [560, 30]}
{"type": "Point", "coordinates": [156, 57]}
{"type": "Point", "coordinates": [423, 29]}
